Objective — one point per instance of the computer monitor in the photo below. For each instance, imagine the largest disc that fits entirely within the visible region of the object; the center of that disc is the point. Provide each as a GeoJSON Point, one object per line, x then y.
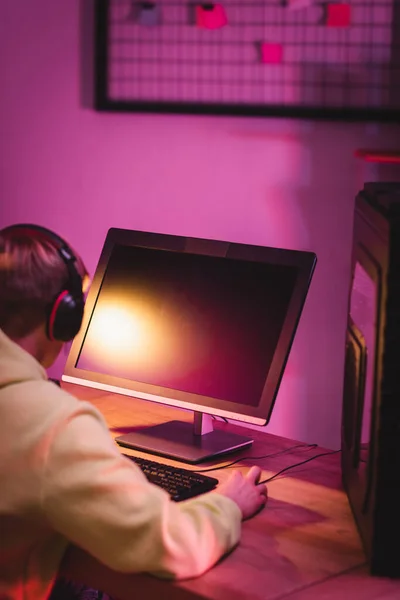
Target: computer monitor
{"type": "Point", "coordinates": [199, 324]}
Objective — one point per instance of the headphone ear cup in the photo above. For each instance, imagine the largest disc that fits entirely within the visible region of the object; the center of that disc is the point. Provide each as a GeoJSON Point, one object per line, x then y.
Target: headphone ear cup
{"type": "Point", "coordinates": [64, 318]}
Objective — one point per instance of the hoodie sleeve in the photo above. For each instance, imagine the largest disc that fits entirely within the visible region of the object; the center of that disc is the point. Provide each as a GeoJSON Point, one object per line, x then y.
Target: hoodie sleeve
{"type": "Point", "coordinates": [101, 501]}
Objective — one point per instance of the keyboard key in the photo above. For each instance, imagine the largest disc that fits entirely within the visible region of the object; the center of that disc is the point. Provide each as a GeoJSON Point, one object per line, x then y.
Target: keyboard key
{"type": "Point", "coordinates": [181, 484]}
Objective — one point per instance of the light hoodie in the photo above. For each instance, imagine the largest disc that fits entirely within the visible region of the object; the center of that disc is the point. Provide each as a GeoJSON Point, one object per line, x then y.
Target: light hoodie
{"type": "Point", "coordinates": [63, 479]}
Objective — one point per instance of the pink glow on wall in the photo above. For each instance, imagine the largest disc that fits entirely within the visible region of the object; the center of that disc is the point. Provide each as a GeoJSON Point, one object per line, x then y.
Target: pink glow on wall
{"type": "Point", "coordinates": [263, 181]}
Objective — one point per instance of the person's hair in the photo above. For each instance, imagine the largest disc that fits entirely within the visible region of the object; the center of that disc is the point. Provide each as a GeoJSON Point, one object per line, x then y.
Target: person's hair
{"type": "Point", "coordinates": [32, 274]}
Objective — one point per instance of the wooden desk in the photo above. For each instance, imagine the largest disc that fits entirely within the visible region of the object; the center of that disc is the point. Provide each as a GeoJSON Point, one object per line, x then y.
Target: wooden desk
{"type": "Point", "coordinates": [302, 546]}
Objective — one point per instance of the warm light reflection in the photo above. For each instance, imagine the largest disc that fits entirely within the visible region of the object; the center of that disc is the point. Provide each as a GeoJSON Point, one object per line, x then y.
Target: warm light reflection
{"type": "Point", "coordinates": [144, 340]}
{"type": "Point", "coordinates": [86, 284]}
{"type": "Point", "coordinates": [118, 329]}
{"type": "Point", "coordinates": [123, 333]}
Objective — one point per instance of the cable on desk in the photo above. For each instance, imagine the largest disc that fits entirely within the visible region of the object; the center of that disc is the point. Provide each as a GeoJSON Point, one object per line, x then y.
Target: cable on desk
{"type": "Point", "coordinates": [220, 467]}
{"type": "Point", "coordinates": [298, 465]}
{"type": "Point", "coordinates": [222, 419]}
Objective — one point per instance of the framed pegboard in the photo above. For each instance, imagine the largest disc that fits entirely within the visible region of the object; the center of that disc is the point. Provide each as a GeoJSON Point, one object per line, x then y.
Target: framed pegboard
{"type": "Point", "coordinates": [292, 58]}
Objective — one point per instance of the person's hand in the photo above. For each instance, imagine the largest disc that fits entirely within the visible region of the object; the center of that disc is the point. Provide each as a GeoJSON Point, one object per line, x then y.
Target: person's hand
{"type": "Point", "coordinates": [249, 495]}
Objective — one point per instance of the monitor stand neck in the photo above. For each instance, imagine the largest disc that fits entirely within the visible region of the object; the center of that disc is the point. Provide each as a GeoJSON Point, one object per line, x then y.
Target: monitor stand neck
{"type": "Point", "coordinates": [202, 423]}
{"type": "Point", "coordinates": [188, 442]}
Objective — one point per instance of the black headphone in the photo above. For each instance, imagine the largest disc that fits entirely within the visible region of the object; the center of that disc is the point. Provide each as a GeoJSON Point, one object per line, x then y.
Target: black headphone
{"type": "Point", "coordinates": [65, 313]}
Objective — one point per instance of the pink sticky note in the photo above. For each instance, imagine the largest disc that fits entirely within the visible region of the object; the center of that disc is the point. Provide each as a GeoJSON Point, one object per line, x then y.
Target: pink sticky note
{"type": "Point", "coordinates": [338, 15]}
{"type": "Point", "coordinates": [210, 16]}
{"type": "Point", "coordinates": [271, 53]}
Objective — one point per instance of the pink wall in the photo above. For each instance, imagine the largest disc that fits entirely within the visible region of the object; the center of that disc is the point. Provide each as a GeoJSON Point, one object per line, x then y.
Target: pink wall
{"type": "Point", "coordinates": [272, 182]}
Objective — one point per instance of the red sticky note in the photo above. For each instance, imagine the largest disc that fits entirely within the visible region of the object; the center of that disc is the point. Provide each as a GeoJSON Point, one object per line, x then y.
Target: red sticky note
{"type": "Point", "coordinates": [338, 15]}
{"type": "Point", "coordinates": [210, 16]}
{"type": "Point", "coordinates": [271, 53]}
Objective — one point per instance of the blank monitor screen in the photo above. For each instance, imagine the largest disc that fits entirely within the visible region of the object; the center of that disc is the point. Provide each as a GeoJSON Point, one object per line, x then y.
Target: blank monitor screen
{"type": "Point", "coordinates": [198, 324]}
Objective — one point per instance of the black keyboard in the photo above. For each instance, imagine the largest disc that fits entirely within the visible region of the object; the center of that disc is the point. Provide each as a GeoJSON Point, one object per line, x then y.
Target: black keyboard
{"type": "Point", "coordinates": [180, 484]}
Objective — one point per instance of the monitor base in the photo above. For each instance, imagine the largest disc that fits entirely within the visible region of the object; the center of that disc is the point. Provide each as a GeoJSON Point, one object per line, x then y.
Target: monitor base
{"type": "Point", "coordinates": [177, 440]}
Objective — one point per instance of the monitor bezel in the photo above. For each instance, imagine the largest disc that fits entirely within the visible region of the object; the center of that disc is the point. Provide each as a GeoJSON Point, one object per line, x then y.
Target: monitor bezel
{"type": "Point", "coordinates": [303, 261]}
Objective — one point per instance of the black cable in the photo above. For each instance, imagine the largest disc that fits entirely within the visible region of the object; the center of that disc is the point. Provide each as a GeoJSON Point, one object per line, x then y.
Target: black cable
{"type": "Point", "coordinates": [298, 465]}
{"type": "Point", "coordinates": [217, 468]}
{"type": "Point", "coordinates": [218, 418]}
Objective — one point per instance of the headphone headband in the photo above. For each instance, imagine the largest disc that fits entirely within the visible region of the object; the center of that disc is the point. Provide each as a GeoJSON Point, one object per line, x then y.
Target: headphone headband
{"type": "Point", "coordinates": [65, 313]}
{"type": "Point", "coordinates": [38, 231]}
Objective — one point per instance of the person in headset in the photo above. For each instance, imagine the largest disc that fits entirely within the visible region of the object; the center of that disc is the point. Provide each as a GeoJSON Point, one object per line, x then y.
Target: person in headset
{"type": "Point", "coordinates": [63, 479]}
